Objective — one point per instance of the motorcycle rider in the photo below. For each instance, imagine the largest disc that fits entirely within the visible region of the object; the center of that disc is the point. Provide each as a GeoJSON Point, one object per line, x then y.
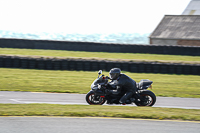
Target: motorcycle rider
{"type": "Point", "coordinates": [123, 83]}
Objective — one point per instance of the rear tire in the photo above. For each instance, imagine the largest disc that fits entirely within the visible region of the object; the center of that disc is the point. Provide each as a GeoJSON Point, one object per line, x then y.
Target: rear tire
{"type": "Point", "coordinates": [90, 99]}
{"type": "Point", "coordinates": [148, 98]}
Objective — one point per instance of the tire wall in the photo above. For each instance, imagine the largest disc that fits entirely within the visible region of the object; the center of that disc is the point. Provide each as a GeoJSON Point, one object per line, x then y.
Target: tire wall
{"type": "Point", "coordinates": [99, 47]}
{"type": "Point", "coordinates": [95, 65]}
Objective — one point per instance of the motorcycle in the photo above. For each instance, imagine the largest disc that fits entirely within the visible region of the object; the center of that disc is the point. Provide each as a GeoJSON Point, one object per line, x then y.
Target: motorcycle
{"type": "Point", "coordinates": [98, 96]}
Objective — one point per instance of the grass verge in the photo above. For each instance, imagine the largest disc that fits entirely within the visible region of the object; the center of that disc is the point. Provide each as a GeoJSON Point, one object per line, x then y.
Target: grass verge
{"type": "Point", "coordinates": [80, 81]}
{"type": "Point", "coordinates": [99, 111]}
{"type": "Point", "coordinates": [102, 55]}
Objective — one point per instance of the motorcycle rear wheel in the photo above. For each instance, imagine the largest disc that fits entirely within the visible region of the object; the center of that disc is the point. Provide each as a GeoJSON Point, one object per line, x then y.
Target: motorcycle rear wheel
{"type": "Point", "coordinates": [148, 98]}
{"type": "Point", "coordinates": [90, 99]}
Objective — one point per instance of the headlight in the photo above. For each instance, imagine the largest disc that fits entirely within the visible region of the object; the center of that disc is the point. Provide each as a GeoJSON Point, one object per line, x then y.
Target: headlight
{"type": "Point", "coordinates": [99, 86]}
{"type": "Point", "coordinates": [95, 88]}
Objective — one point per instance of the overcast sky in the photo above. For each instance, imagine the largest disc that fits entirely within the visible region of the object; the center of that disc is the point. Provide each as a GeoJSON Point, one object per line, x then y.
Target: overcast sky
{"type": "Point", "coordinates": [86, 16]}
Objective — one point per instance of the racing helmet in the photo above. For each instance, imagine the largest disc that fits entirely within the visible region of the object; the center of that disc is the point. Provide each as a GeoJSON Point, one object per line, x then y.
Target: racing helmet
{"type": "Point", "coordinates": [114, 73]}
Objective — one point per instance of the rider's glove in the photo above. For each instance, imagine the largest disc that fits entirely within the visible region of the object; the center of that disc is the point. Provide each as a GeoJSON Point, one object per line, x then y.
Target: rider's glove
{"type": "Point", "coordinates": [107, 77]}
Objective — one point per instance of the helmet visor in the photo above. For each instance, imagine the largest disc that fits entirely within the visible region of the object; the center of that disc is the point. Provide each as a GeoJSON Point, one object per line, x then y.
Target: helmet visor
{"type": "Point", "coordinates": [112, 75]}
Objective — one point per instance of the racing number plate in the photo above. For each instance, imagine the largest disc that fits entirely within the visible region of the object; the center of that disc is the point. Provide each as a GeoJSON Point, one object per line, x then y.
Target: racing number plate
{"type": "Point", "coordinates": [150, 87]}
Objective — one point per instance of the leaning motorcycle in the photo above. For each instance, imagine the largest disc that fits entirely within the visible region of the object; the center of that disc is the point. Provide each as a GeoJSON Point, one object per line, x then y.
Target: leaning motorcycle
{"type": "Point", "coordinates": [98, 96]}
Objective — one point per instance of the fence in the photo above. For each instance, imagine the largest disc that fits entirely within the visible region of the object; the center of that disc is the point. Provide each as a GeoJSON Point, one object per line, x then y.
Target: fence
{"type": "Point", "coordinates": [95, 65]}
{"type": "Point", "coordinates": [99, 47]}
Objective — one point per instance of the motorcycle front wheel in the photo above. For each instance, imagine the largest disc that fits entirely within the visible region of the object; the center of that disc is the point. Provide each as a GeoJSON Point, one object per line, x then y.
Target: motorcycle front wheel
{"type": "Point", "coordinates": [92, 100]}
{"type": "Point", "coordinates": [147, 98]}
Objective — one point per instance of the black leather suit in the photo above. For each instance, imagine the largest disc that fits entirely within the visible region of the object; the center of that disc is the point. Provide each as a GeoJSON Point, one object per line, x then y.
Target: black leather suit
{"type": "Point", "coordinates": [124, 84]}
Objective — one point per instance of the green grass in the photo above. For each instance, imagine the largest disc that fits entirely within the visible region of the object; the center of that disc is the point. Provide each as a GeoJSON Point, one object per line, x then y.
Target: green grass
{"type": "Point", "coordinates": [99, 111]}
{"type": "Point", "coordinates": [79, 82]}
{"type": "Point", "coordinates": [102, 55]}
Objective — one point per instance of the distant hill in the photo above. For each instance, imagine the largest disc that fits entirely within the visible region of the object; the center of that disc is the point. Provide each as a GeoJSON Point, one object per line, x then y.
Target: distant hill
{"type": "Point", "coordinates": [122, 38]}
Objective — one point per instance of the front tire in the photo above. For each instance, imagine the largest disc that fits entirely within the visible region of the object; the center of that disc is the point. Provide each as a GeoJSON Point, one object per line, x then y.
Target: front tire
{"type": "Point", "coordinates": [90, 99]}
{"type": "Point", "coordinates": [147, 98]}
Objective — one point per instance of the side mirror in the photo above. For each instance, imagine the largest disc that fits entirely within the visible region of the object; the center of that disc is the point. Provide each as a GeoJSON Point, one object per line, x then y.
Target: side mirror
{"type": "Point", "coordinates": [100, 72]}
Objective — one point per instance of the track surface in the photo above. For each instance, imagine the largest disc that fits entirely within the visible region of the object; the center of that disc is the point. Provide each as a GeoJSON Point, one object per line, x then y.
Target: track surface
{"type": "Point", "coordinates": [93, 125]}
{"type": "Point", "coordinates": [87, 125]}
{"type": "Point", "coordinates": [63, 98]}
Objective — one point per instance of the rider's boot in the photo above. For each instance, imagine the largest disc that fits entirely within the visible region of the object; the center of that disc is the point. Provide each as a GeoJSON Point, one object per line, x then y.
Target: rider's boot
{"type": "Point", "coordinates": [126, 96]}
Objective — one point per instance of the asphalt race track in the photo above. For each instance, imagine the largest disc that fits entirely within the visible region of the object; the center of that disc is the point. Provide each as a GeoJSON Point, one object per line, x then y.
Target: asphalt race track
{"type": "Point", "coordinates": [93, 125]}
{"type": "Point", "coordinates": [65, 98]}
{"type": "Point", "coordinates": [90, 125]}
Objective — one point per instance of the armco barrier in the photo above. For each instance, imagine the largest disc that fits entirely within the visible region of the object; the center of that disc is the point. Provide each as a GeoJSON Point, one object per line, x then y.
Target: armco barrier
{"type": "Point", "coordinates": [99, 47]}
{"type": "Point", "coordinates": [95, 65]}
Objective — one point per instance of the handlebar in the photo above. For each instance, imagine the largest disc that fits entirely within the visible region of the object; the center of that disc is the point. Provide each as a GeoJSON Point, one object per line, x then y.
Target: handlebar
{"type": "Point", "coordinates": [108, 77]}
